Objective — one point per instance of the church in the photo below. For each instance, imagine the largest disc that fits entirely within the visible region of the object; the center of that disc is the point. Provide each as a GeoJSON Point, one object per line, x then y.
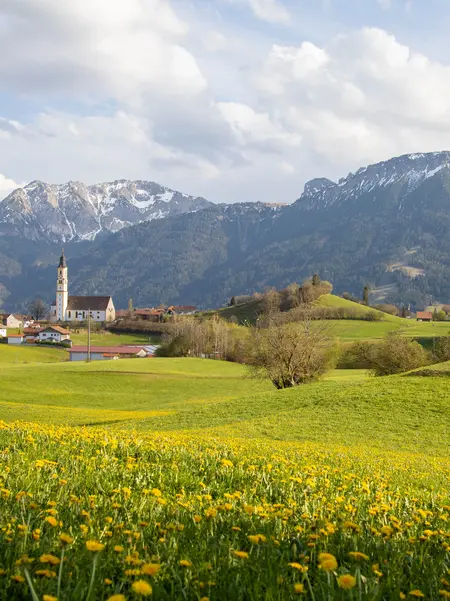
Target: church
{"type": "Point", "coordinates": [78, 308]}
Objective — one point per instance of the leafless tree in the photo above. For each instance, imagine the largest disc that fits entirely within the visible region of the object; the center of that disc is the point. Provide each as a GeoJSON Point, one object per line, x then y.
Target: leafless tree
{"type": "Point", "coordinates": [292, 354]}
{"type": "Point", "coordinates": [38, 309]}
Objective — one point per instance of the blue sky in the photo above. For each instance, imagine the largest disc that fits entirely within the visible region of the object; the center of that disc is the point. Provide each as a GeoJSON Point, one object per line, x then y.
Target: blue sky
{"type": "Point", "coordinates": [229, 99]}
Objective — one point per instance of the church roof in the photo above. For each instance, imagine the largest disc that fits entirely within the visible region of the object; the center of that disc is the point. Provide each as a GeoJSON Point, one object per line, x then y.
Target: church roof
{"type": "Point", "coordinates": [86, 303]}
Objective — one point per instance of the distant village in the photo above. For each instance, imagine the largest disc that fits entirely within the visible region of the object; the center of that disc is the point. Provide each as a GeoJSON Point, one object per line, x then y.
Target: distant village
{"type": "Point", "coordinates": [75, 312]}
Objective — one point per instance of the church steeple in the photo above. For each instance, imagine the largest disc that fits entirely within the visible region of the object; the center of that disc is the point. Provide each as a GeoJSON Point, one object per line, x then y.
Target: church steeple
{"type": "Point", "coordinates": [62, 289]}
{"type": "Point", "coordinates": [62, 260]}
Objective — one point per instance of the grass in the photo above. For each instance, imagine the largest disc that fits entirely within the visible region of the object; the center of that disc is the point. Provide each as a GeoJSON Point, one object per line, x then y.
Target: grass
{"type": "Point", "coordinates": [194, 482]}
{"type": "Point", "coordinates": [10, 355]}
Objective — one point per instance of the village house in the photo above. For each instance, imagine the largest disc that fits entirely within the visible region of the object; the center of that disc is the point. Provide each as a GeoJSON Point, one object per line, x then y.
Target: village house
{"type": "Point", "coordinates": [78, 308]}
{"type": "Point", "coordinates": [10, 321]}
{"type": "Point", "coordinates": [424, 316]}
{"type": "Point", "coordinates": [15, 339]}
{"type": "Point", "coordinates": [102, 353]}
{"type": "Point", "coordinates": [53, 334]}
{"type": "Point", "coordinates": [3, 332]}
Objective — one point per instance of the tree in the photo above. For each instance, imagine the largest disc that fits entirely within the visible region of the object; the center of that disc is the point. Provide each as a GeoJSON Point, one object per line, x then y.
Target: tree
{"type": "Point", "coordinates": [316, 280]}
{"type": "Point", "coordinates": [292, 354]}
{"type": "Point", "coordinates": [38, 309]}
{"type": "Point", "coordinates": [393, 355]}
{"type": "Point", "coordinates": [366, 295]}
{"type": "Point", "coordinates": [403, 312]}
{"type": "Point", "coordinates": [130, 307]}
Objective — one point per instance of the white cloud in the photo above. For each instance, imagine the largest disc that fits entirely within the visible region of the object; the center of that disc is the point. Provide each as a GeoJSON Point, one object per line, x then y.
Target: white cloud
{"type": "Point", "coordinates": [214, 41]}
{"type": "Point", "coordinates": [132, 89]}
{"type": "Point", "coordinates": [7, 185]}
{"type": "Point", "coordinates": [272, 11]}
{"type": "Point", "coordinates": [362, 98]}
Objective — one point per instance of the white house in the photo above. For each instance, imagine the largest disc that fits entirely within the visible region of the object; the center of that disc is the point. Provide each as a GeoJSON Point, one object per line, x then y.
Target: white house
{"type": "Point", "coordinates": [102, 353]}
{"type": "Point", "coordinates": [15, 338]}
{"type": "Point", "coordinates": [10, 321]}
{"type": "Point", "coordinates": [3, 332]}
{"type": "Point", "coordinates": [53, 334]}
{"type": "Point", "coordinates": [78, 308]}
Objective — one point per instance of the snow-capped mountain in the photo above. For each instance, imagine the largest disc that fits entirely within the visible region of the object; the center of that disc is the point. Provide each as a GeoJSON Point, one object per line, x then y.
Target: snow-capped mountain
{"type": "Point", "coordinates": [398, 178]}
{"type": "Point", "coordinates": [75, 211]}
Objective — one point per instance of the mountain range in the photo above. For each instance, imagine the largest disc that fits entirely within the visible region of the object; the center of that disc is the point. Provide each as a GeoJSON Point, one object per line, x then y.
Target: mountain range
{"type": "Point", "coordinates": [74, 211]}
{"type": "Point", "coordinates": [387, 225]}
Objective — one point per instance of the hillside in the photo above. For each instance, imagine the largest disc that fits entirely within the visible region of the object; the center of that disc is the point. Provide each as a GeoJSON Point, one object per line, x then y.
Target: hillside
{"type": "Point", "coordinates": [387, 225]}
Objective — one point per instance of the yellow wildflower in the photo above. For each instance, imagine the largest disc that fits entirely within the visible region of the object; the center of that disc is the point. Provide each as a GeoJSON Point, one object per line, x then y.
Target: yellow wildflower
{"type": "Point", "coordinates": [358, 555]}
{"type": "Point", "coordinates": [117, 598]}
{"type": "Point", "coordinates": [416, 593]}
{"type": "Point", "coordinates": [47, 558]}
{"type": "Point", "coordinates": [444, 594]}
{"type": "Point", "coordinates": [18, 578]}
{"type": "Point", "coordinates": [93, 545]}
{"type": "Point", "coordinates": [346, 581]}
{"type": "Point", "coordinates": [66, 538]}
{"type": "Point", "coordinates": [299, 588]}
{"type": "Point", "coordinates": [241, 554]}
{"type": "Point", "coordinates": [327, 562]}
{"type": "Point", "coordinates": [141, 587]}
{"type": "Point", "coordinates": [49, 598]}
{"type": "Point", "coordinates": [150, 569]}
{"type": "Point", "coordinates": [185, 563]}
{"type": "Point", "coordinates": [118, 548]}
{"type": "Point", "coordinates": [52, 521]}
{"type": "Point", "coordinates": [107, 581]}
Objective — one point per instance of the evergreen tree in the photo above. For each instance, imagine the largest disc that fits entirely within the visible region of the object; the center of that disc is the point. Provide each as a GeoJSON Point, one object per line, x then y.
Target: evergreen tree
{"type": "Point", "coordinates": [403, 311]}
{"type": "Point", "coordinates": [366, 295]}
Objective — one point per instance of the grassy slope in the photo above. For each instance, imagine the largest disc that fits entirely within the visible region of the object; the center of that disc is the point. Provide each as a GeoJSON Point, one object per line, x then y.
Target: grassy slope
{"type": "Point", "coordinates": [212, 397]}
{"type": "Point", "coordinates": [10, 355]}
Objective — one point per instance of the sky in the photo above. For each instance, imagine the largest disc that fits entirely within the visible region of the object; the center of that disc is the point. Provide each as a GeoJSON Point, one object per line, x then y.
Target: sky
{"type": "Point", "coordinates": [233, 100]}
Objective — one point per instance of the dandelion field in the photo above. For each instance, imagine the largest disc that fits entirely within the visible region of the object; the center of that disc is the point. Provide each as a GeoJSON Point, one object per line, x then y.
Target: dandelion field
{"type": "Point", "coordinates": [225, 511]}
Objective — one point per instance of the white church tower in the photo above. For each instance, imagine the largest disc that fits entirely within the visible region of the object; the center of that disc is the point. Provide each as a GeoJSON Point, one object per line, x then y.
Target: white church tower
{"type": "Point", "coordinates": [62, 289]}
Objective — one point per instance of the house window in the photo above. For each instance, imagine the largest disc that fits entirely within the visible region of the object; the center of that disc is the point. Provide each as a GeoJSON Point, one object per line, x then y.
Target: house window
{"type": "Point", "coordinates": [70, 314]}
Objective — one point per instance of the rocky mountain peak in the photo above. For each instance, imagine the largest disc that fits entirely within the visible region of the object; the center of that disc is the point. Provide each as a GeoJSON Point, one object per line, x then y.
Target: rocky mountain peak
{"type": "Point", "coordinates": [75, 211]}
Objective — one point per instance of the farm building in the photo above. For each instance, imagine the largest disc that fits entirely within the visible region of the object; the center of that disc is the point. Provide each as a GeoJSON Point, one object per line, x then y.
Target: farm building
{"type": "Point", "coordinates": [53, 334]}
{"type": "Point", "coordinates": [424, 316]}
{"type": "Point", "coordinates": [102, 353]}
{"type": "Point", "coordinates": [15, 338]}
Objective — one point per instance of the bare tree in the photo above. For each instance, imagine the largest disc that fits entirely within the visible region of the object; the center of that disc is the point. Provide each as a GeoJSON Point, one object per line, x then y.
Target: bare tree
{"type": "Point", "coordinates": [38, 309]}
{"type": "Point", "coordinates": [292, 354]}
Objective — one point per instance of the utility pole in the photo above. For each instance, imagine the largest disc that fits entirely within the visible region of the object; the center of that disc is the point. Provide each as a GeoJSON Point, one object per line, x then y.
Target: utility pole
{"type": "Point", "coordinates": [89, 337]}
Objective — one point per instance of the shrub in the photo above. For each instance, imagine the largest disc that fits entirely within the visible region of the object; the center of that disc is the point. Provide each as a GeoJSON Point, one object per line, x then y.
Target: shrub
{"type": "Point", "coordinates": [393, 355]}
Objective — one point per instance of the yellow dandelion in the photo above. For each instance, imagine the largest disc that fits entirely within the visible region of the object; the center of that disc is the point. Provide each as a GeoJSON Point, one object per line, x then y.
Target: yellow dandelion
{"type": "Point", "coordinates": [141, 587]}
{"type": "Point", "coordinates": [66, 538]}
{"type": "Point", "coordinates": [94, 546]}
{"type": "Point", "coordinates": [118, 548]}
{"type": "Point", "coordinates": [444, 594]}
{"type": "Point", "coordinates": [49, 598]}
{"type": "Point", "coordinates": [241, 554]}
{"type": "Point", "coordinates": [416, 593]}
{"type": "Point", "coordinates": [52, 521]}
{"type": "Point", "coordinates": [346, 581]}
{"type": "Point", "coordinates": [150, 569]}
{"type": "Point", "coordinates": [47, 558]}
{"type": "Point", "coordinates": [18, 578]}
{"type": "Point", "coordinates": [107, 581]}
{"type": "Point", "coordinates": [197, 518]}
{"type": "Point", "coordinates": [299, 588]}
{"type": "Point", "coordinates": [185, 563]}
{"type": "Point", "coordinates": [117, 598]}
{"type": "Point", "coordinates": [204, 599]}
{"type": "Point", "coordinates": [327, 562]}
{"type": "Point", "coordinates": [358, 556]}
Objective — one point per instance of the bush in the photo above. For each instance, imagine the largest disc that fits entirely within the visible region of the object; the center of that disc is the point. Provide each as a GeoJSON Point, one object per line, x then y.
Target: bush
{"type": "Point", "coordinates": [442, 349]}
{"type": "Point", "coordinates": [393, 355]}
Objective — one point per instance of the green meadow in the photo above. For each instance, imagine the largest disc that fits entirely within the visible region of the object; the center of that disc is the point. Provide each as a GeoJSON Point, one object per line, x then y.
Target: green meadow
{"type": "Point", "coordinates": [186, 479]}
